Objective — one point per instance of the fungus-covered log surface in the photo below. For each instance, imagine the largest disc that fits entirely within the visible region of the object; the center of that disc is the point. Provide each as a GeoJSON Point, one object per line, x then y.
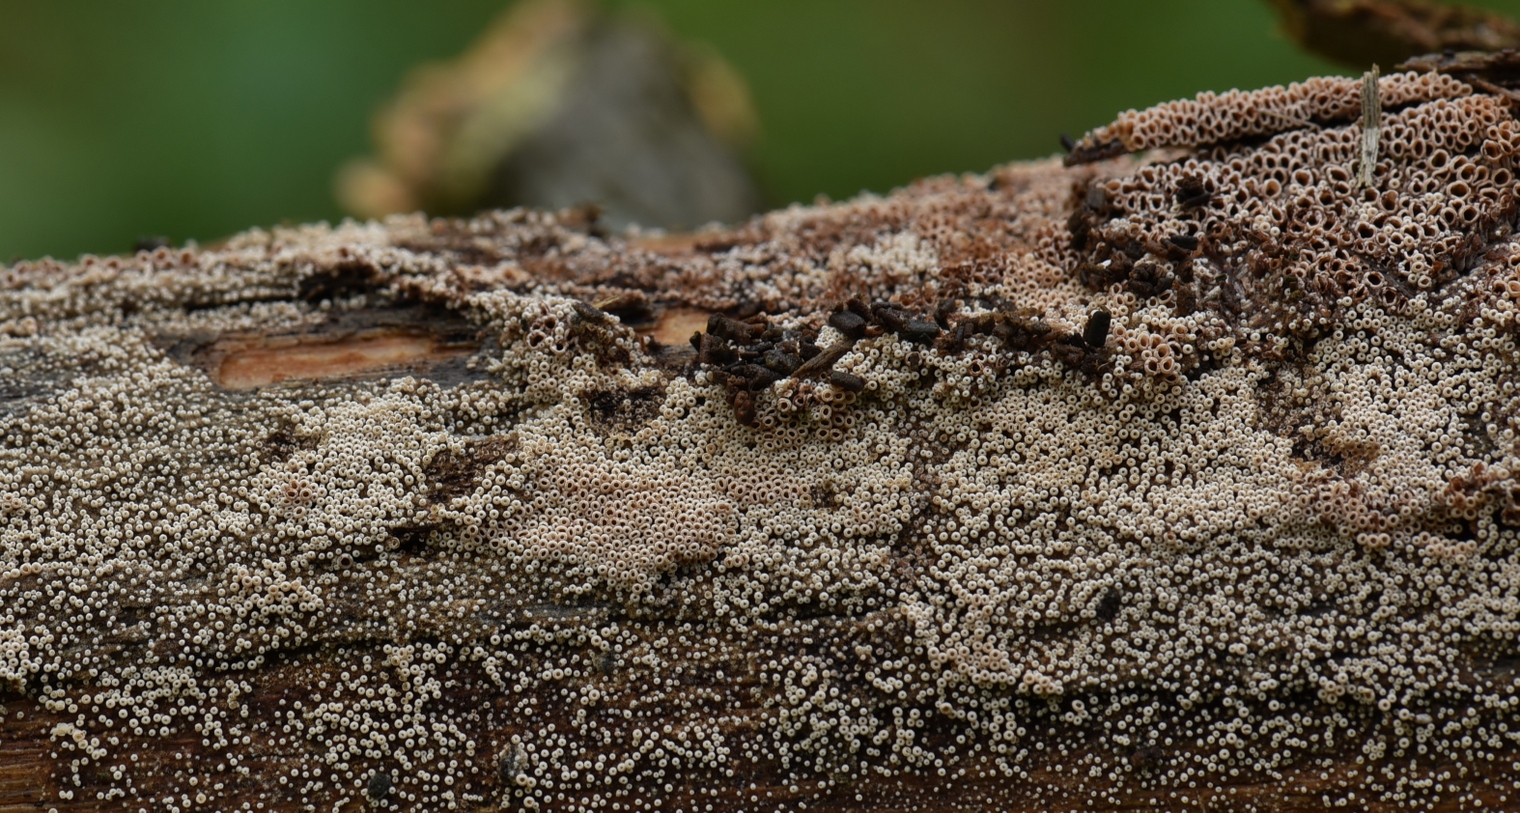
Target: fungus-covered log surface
{"type": "Point", "coordinates": [1184, 480]}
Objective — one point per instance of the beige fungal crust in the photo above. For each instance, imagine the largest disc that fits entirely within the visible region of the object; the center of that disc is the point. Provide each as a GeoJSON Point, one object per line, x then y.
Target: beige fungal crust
{"type": "Point", "coordinates": [1248, 544]}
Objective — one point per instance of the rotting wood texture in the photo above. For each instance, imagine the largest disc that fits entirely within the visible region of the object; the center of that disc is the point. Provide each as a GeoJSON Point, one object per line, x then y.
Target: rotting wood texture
{"type": "Point", "coordinates": [1185, 480]}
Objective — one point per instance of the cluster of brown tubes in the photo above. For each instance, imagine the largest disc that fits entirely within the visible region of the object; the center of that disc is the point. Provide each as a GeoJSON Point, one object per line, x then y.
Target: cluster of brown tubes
{"type": "Point", "coordinates": [749, 355]}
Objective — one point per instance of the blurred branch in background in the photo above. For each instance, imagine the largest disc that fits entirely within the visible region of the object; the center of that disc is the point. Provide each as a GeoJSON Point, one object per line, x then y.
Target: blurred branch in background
{"type": "Point", "coordinates": [1359, 33]}
{"type": "Point", "coordinates": [561, 103]}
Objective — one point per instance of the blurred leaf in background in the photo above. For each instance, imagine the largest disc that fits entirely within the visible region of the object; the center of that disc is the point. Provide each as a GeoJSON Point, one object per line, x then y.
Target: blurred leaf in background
{"type": "Point", "coordinates": [195, 120]}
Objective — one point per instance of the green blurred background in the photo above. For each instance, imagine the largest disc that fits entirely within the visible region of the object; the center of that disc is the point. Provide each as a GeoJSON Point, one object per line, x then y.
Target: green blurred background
{"type": "Point", "coordinates": [195, 119]}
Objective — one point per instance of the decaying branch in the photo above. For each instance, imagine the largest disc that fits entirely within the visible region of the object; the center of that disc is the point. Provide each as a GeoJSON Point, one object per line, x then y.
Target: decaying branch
{"type": "Point", "coordinates": [1185, 481]}
{"type": "Point", "coordinates": [1358, 33]}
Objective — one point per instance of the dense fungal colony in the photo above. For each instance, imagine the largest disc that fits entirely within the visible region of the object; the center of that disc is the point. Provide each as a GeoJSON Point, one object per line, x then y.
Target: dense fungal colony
{"type": "Point", "coordinates": [1186, 480]}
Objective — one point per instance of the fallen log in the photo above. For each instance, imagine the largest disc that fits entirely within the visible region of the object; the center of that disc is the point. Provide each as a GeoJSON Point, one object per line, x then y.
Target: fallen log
{"type": "Point", "coordinates": [1185, 480]}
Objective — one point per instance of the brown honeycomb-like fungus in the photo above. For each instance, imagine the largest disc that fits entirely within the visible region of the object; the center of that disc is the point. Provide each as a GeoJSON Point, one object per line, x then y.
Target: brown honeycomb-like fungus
{"type": "Point", "coordinates": [1185, 482]}
{"type": "Point", "coordinates": [1238, 115]}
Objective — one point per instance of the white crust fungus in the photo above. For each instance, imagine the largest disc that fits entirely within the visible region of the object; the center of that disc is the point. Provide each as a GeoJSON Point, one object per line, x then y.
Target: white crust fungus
{"type": "Point", "coordinates": [909, 530]}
